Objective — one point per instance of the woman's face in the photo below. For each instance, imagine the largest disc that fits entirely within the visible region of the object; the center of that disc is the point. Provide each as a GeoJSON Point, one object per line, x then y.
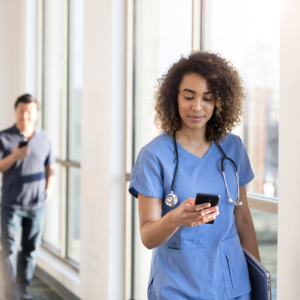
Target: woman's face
{"type": "Point", "coordinates": [196, 102]}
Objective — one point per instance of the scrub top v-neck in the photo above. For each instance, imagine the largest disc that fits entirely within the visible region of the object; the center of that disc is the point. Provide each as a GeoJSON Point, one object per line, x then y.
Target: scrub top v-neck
{"type": "Point", "coordinates": [205, 261]}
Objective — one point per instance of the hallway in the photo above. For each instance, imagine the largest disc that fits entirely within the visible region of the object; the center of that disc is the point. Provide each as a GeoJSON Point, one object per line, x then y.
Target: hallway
{"type": "Point", "coordinates": [38, 289]}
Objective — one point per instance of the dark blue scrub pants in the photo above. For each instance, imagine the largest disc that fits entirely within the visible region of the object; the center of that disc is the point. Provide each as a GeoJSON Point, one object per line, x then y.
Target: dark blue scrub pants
{"type": "Point", "coordinates": [18, 268]}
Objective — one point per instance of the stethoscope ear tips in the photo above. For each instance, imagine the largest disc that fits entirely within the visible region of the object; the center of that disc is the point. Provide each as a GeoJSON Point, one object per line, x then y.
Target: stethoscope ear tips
{"type": "Point", "coordinates": [230, 200]}
{"type": "Point", "coordinates": [240, 203]}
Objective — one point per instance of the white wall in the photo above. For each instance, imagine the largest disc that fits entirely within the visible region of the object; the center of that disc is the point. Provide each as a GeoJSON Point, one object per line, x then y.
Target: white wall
{"type": "Point", "coordinates": [12, 58]}
{"type": "Point", "coordinates": [289, 159]}
{"type": "Point", "coordinates": [103, 155]}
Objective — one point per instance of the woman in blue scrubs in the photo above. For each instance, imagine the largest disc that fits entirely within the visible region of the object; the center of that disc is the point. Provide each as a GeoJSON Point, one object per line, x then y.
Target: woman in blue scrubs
{"type": "Point", "coordinates": [200, 99]}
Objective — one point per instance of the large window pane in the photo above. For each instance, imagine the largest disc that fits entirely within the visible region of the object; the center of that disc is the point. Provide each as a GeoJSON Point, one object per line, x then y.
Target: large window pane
{"type": "Point", "coordinates": [52, 102]}
{"type": "Point", "coordinates": [75, 78]}
{"type": "Point", "coordinates": [163, 33]}
{"type": "Point", "coordinates": [240, 31]}
{"type": "Point", "coordinates": [53, 72]}
{"type": "Point", "coordinates": [266, 232]}
{"type": "Point", "coordinates": [73, 248]}
{"type": "Point", "coordinates": [52, 223]}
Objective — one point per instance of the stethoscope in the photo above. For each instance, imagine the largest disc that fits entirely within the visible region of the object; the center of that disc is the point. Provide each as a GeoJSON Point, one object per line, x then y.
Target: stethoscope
{"type": "Point", "coordinates": [171, 199]}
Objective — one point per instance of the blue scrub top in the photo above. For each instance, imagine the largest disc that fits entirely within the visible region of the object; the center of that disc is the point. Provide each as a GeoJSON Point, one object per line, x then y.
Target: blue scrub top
{"type": "Point", "coordinates": [205, 261]}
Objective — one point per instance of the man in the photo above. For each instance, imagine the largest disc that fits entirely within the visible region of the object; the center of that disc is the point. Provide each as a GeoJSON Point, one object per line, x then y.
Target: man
{"type": "Point", "coordinates": [27, 164]}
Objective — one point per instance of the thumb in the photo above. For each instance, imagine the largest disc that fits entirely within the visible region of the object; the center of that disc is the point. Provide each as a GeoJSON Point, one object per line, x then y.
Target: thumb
{"type": "Point", "coordinates": [190, 201]}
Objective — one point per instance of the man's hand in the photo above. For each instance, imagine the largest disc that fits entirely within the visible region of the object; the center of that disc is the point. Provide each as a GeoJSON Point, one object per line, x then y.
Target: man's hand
{"type": "Point", "coordinates": [20, 153]}
{"type": "Point", "coordinates": [17, 154]}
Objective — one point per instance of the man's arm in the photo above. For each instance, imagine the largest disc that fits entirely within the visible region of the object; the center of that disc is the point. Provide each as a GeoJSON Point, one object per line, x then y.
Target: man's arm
{"type": "Point", "coordinates": [50, 180]}
{"type": "Point", "coordinates": [9, 160]}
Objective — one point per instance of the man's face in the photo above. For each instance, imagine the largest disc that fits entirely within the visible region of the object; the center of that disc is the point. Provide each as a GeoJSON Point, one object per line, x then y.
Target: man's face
{"type": "Point", "coordinates": [26, 114]}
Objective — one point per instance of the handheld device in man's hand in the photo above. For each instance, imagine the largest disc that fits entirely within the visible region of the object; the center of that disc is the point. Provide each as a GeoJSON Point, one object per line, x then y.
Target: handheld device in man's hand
{"type": "Point", "coordinates": [23, 144]}
{"type": "Point", "coordinates": [207, 198]}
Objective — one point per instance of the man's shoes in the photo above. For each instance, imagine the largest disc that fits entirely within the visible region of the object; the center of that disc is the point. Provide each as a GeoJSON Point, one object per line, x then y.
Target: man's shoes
{"type": "Point", "coordinates": [24, 295]}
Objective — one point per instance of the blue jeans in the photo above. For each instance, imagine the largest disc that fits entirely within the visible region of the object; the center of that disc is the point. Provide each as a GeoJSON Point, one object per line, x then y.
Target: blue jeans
{"type": "Point", "coordinates": [18, 269]}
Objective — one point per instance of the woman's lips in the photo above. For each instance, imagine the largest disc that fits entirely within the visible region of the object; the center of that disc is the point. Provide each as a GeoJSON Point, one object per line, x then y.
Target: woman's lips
{"type": "Point", "coordinates": [196, 118]}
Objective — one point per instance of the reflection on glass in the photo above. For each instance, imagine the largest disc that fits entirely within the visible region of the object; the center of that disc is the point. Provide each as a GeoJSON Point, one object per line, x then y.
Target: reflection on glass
{"type": "Point", "coordinates": [163, 34]}
{"type": "Point", "coordinates": [52, 222]}
{"type": "Point", "coordinates": [73, 248]}
{"type": "Point", "coordinates": [75, 78]}
{"type": "Point", "coordinates": [52, 85]}
{"type": "Point", "coordinates": [266, 231]}
{"type": "Point", "coordinates": [240, 32]}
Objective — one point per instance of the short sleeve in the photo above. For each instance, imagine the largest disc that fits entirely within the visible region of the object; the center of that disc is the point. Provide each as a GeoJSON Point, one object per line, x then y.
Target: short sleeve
{"type": "Point", "coordinates": [1, 149]}
{"type": "Point", "coordinates": [147, 176]}
{"type": "Point", "coordinates": [245, 171]}
{"type": "Point", "coordinates": [50, 159]}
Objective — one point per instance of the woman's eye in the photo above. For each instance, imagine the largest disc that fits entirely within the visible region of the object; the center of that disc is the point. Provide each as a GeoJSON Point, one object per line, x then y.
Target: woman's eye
{"type": "Point", "coordinates": [206, 99]}
{"type": "Point", "coordinates": [189, 98]}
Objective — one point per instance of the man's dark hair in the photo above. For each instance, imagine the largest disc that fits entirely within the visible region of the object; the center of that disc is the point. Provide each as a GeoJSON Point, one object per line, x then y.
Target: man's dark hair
{"type": "Point", "coordinates": [26, 98]}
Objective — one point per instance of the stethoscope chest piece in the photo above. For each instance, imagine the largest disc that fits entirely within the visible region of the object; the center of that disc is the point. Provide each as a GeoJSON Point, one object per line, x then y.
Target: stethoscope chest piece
{"type": "Point", "coordinates": [171, 199]}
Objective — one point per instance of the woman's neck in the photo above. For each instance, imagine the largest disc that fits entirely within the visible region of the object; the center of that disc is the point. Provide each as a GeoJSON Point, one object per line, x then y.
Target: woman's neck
{"type": "Point", "coordinates": [194, 141]}
{"type": "Point", "coordinates": [193, 137]}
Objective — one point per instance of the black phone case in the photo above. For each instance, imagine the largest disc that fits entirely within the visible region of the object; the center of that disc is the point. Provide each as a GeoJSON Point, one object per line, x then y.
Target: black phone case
{"type": "Point", "coordinates": [23, 144]}
{"type": "Point", "coordinates": [207, 198]}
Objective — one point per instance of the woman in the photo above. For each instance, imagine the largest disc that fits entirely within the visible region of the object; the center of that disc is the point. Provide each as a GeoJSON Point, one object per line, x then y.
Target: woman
{"type": "Point", "coordinates": [198, 101]}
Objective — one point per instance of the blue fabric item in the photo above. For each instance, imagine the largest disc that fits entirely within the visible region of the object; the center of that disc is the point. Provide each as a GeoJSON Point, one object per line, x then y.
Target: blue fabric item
{"type": "Point", "coordinates": [18, 269]}
{"type": "Point", "coordinates": [244, 297]}
{"type": "Point", "coordinates": [206, 261]}
{"type": "Point", "coordinates": [24, 184]}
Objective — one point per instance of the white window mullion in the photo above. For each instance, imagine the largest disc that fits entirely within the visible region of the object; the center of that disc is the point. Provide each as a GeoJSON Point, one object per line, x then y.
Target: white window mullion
{"type": "Point", "coordinates": [64, 90]}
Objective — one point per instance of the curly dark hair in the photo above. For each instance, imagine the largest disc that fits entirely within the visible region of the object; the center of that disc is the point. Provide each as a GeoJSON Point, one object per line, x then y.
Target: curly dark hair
{"type": "Point", "coordinates": [223, 80]}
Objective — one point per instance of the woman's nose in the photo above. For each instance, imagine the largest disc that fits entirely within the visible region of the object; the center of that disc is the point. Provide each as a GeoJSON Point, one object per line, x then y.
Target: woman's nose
{"type": "Point", "coordinates": [198, 104]}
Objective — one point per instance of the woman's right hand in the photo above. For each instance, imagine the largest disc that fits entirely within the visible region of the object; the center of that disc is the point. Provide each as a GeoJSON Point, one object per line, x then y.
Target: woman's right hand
{"type": "Point", "coordinates": [188, 214]}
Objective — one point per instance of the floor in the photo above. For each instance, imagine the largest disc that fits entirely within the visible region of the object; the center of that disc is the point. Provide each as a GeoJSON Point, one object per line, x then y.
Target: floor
{"type": "Point", "coordinates": [38, 290]}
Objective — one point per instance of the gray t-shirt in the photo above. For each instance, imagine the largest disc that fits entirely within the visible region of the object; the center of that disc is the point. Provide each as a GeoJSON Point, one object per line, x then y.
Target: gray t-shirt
{"type": "Point", "coordinates": [24, 183]}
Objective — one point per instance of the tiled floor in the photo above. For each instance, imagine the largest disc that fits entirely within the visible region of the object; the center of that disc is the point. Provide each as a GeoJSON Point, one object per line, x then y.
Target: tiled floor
{"type": "Point", "coordinates": [39, 291]}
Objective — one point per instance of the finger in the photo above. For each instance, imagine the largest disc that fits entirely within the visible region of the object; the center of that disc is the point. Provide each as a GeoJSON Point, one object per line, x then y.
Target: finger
{"type": "Point", "coordinates": [205, 218]}
{"type": "Point", "coordinates": [196, 208]}
{"type": "Point", "coordinates": [209, 219]}
{"type": "Point", "coordinates": [207, 211]}
{"type": "Point", "coordinates": [190, 201]}
{"type": "Point", "coordinates": [202, 206]}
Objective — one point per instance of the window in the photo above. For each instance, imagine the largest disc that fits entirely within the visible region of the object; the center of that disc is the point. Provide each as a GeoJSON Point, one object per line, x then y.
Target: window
{"type": "Point", "coordinates": [61, 95]}
{"type": "Point", "coordinates": [266, 232]}
{"type": "Point", "coordinates": [241, 33]}
{"type": "Point", "coordinates": [244, 36]}
{"type": "Point", "coordinates": [163, 32]}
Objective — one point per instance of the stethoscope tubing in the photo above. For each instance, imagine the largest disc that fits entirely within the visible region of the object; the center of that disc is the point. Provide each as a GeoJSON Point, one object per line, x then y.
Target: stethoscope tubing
{"type": "Point", "coordinates": [171, 199]}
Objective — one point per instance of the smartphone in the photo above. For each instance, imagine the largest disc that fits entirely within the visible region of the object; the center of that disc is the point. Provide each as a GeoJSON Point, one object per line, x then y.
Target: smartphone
{"type": "Point", "coordinates": [23, 144]}
{"type": "Point", "coordinates": [207, 198]}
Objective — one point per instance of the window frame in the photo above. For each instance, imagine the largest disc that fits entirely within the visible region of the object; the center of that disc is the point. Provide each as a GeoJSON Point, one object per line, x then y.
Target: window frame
{"type": "Point", "coordinates": [63, 161]}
